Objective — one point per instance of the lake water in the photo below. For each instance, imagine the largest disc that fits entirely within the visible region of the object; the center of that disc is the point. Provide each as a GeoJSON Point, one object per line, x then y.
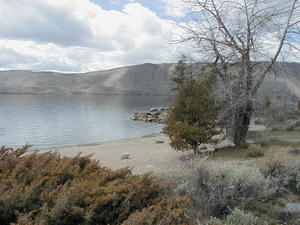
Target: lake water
{"type": "Point", "coordinates": [56, 120]}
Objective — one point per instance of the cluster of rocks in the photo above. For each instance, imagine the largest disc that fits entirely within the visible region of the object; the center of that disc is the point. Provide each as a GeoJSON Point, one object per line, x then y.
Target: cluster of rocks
{"type": "Point", "coordinates": [153, 115]}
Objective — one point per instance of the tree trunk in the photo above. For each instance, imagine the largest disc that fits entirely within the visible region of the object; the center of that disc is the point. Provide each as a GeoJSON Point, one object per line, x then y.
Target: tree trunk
{"type": "Point", "coordinates": [241, 123]}
{"type": "Point", "coordinates": [195, 148]}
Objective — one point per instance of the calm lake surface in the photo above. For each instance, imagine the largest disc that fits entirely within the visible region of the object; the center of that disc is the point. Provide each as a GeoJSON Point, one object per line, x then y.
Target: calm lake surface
{"type": "Point", "coordinates": [56, 120]}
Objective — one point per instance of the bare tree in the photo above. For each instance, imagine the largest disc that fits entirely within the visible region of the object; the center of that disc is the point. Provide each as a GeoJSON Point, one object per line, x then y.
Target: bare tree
{"type": "Point", "coordinates": [240, 40]}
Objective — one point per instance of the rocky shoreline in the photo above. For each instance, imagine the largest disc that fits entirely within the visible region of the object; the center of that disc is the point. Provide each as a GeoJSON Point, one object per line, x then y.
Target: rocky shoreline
{"type": "Point", "coordinates": [152, 115]}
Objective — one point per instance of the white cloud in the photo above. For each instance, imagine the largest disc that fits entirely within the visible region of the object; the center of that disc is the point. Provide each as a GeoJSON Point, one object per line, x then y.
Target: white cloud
{"type": "Point", "coordinates": [79, 35]}
{"type": "Point", "coordinates": [174, 8]}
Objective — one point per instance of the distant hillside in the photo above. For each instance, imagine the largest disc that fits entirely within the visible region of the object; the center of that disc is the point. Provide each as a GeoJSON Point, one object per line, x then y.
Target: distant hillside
{"type": "Point", "coordinates": [145, 79]}
{"type": "Point", "coordinates": [141, 79]}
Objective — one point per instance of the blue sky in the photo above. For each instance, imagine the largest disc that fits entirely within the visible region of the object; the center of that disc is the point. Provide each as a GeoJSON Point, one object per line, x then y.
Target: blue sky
{"type": "Point", "coordinates": [85, 35]}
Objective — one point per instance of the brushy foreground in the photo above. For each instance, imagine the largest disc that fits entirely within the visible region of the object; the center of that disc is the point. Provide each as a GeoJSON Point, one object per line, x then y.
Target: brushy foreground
{"type": "Point", "coordinates": [49, 189]}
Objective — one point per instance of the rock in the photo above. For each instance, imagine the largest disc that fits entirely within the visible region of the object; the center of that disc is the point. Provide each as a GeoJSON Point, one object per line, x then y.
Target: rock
{"type": "Point", "coordinates": [225, 143]}
{"type": "Point", "coordinates": [159, 141]}
{"type": "Point", "coordinates": [153, 109]}
{"type": "Point", "coordinates": [293, 125]}
{"type": "Point", "coordinates": [156, 113]}
{"type": "Point", "coordinates": [125, 155]}
{"type": "Point", "coordinates": [153, 115]}
{"type": "Point", "coordinates": [204, 148]}
{"type": "Point", "coordinates": [134, 117]}
{"type": "Point", "coordinates": [293, 208]}
{"type": "Point", "coordinates": [219, 137]}
{"type": "Point", "coordinates": [209, 148]}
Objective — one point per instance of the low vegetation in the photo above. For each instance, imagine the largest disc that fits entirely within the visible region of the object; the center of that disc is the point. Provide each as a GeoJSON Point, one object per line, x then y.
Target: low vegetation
{"type": "Point", "coordinates": [255, 151]}
{"type": "Point", "coordinates": [46, 189]}
{"type": "Point", "coordinates": [237, 217]}
{"type": "Point", "coordinates": [218, 187]}
{"type": "Point", "coordinates": [49, 189]}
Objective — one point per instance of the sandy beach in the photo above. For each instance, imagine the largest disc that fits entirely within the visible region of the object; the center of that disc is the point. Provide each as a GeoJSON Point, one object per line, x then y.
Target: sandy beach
{"type": "Point", "coordinates": [145, 154]}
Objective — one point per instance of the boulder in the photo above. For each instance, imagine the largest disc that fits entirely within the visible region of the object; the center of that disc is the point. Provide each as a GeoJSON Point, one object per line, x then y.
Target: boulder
{"type": "Point", "coordinates": [225, 143]}
{"type": "Point", "coordinates": [153, 109]}
{"type": "Point", "coordinates": [159, 141]}
{"type": "Point", "coordinates": [205, 148]}
{"type": "Point", "coordinates": [125, 155]}
{"type": "Point", "coordinates": [156, 113]}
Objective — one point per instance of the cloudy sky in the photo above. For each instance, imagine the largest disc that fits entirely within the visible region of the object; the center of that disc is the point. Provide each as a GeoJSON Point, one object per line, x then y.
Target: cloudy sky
{"type": "Point", "coordinates": [89, 35]}
{"type": "Point", "coordinates": [86, 35]}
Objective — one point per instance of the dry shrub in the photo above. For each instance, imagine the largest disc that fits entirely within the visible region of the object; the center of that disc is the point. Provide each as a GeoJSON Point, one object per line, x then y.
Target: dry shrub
{"type": "Point", "coordinates": [282, 169]}
{"type": "Point", "coordinates": [172, 211]}
{"type": "Point", "coordinates": [238, 217]}
{"type": "Point", "coordinates": [217, 187]}
{"type": "Point", "coordinates": [255, 151]}
{"type": "Point", "coordinates": [54, 190]}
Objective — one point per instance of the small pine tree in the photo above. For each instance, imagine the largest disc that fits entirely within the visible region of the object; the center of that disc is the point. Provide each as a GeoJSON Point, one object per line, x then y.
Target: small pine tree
{"type": "Point", "coordinates": [181, 73]}
{"type": "Point", "coordinates": [193, 118]}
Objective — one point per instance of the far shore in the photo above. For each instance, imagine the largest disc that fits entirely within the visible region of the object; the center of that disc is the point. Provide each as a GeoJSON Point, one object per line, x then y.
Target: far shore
{"type": "Point", "coordinates": [145, 154]}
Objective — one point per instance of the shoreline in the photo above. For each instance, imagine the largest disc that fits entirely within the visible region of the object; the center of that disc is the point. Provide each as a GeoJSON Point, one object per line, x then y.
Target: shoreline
{"type": "Point", "coordinates": [48, 148]}
{"type": "Point", "coordinates": [145, 154]}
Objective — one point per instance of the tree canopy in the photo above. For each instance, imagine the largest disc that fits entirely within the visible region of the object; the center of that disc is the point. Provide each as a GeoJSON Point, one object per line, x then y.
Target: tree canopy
{"type": "Point", "coordinates": [192, 120]}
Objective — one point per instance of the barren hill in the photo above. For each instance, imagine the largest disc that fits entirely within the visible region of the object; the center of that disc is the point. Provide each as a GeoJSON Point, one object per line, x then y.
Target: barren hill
{"type": "Point", "coordinates": [145, 79]}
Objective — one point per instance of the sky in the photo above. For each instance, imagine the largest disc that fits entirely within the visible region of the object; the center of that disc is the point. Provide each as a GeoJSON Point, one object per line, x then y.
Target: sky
{"type": "Point", "coordinates": [90, 35]}
{"type": "Point", "coordinates": [86, 35]}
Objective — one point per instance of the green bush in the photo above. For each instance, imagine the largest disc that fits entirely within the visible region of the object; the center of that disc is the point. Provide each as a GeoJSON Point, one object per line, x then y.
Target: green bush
{"type": "Point", "coordinates": [54, 190]}
{"type": "Point", "coordinates": [238, 217]}
{"type": "Point", "coordinates": [255, 151]}
{"type": "Point", "coordinates": [283, 171]}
